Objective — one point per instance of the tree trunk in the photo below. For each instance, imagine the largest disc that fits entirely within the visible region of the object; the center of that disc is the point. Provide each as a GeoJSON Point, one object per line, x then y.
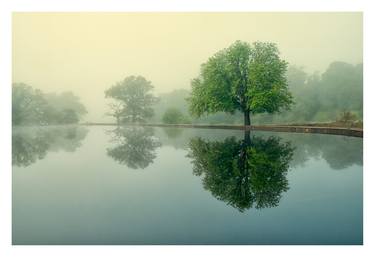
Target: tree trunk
{"type": "Point", "coordinates": [247, 118]}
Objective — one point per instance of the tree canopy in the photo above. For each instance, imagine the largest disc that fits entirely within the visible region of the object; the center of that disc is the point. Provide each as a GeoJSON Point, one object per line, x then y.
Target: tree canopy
{"type": "Point", "coordinates": [247, 77]}
{"type": "Point", "coordinates": [28, 105]}
{"type": "Point", "coordinates": [134, 99]}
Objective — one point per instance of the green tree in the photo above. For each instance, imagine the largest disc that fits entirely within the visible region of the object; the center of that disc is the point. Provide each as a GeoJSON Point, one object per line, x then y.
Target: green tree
{"type": "Point", "coordinates": [322, 98]}
{"type": "Point", "coordinates": [33, 107]}
{"type": "Point", "coordinates": [66, 101]}
{"type": "Point", "coordinates": [116, 110]}
{"type": "Point", "coordinates": [174, 116]}
{"type": "Point", "coordinates": [174, 99]}
{"type": "Point", "coordinates": [342, 88]}
{"type": "Point", "coordinates": [134, 94]}
{"type": "Point", "coordinates": [69, 116]}
{"type": "Point", "coordinates": [28, 105]}
{"type": "Point", "coordinates": [247, 77]}
{"type": "Point", "coordinates": [243, 173]}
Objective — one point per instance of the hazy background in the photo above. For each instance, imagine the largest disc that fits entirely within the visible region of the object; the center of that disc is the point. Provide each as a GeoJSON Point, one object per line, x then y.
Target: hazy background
{"type": "Point", "coordinates": [88, 52]}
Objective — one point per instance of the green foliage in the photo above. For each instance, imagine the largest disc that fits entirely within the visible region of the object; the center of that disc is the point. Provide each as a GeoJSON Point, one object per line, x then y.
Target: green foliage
{"type": "Point", "coordinates": [315, 96]}
{"type": "Point", "coordinates": [323, 98]}
{"type": "Point", "coordinates": [346, 116]}
{"type": "Point", "coordinates": [66, 101]}
{"type": "Point", "coordinates": [174, 99]}
{"type": "Point", "coordinates": [243, 77]}
{"type": "Point", "coordinates": [243, 173]}
{"type": "Point", "coordinates": [28, 105]}
{"type": "Point", "coordinates": [134, 98]}
{"type": "Point", "coordinates": [33, 107]}
{"type": "Point", "coordinates": [175, 116]}
{"type": "Point", "coordinates": [69, 116]}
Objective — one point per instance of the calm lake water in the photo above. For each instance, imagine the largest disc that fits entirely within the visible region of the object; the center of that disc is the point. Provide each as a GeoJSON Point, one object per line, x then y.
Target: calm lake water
{"type": "Point", "coordinates": [134, 185]}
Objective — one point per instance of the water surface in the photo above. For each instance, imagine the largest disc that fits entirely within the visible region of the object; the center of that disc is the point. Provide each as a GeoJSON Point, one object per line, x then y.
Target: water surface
{"type": "Point", "coordinates": [134, 185]}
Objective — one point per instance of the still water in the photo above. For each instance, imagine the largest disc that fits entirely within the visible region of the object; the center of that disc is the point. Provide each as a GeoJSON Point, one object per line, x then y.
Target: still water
{"type": "Point", "coordinates": [134, 185]}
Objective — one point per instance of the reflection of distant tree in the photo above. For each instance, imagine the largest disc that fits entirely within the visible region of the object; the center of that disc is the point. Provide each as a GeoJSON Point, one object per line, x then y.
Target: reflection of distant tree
{"type": "Point", "coordinates": [33, 143]}
{"type": "Point", "coordinates": [339, 151]}
{"type": "Point", "coordinates": [27, 149]}
{"type": "Point", "coordinates": [243, 173]}
{"type": "Point", "coordinates": [173, 132]}
{"type": "Point", "coordinates": [343, 153]}
{"type": "Point", "coordinates": [135, 146]}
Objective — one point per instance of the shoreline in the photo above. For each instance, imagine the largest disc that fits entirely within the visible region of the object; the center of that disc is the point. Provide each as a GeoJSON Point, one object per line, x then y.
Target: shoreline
{"type": "Point", "coordinates": [352, 132]}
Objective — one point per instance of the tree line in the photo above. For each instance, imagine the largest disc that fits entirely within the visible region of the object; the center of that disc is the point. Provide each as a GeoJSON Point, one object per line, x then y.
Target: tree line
{"type": "Point", "coordinates": [33, 107]}
{"type": "Point", "coordinates": [336, 94]}
{"type": "Point", "coordinates": [243, 83]}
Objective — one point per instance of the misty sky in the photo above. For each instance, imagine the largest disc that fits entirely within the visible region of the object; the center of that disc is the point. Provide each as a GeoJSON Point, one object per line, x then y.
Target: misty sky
{"type": "Point", "coordinates": [88, 52]}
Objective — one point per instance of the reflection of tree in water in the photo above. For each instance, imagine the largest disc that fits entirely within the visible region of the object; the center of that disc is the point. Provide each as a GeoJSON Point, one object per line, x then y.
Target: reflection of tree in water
{"type": "Point", "coordinates": [30, 144]}
{"type": "Point", "coordinates": [177, 138]}
{"type": "Point", "coordinates": [243, 173]}
{"type": "Point", "coordinates": [173, 132]}
{"type": "Point", "coordinates": [344, 154]}
{"type": "Point", "coordinates": [135, 146]}
{"type": "Point", "coordinates": [339, 151]}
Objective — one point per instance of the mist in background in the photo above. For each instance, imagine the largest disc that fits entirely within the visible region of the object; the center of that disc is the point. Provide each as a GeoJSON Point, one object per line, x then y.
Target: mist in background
{"type": "Point", "coordinates": [86, 53]}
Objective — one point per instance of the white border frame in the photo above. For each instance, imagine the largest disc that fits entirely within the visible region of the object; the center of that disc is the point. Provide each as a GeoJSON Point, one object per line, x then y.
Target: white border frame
{"type": "Point", "coordinates": [6, 9]}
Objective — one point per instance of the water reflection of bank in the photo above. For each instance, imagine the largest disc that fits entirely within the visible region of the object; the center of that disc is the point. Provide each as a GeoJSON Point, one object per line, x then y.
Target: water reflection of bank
{"type": "Point", "coordinates": [30, 144]}
{"type": "Point", "coordinates": [338, 151]}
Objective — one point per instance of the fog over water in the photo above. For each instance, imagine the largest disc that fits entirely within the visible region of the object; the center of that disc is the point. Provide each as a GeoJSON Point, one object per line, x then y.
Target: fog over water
{"type": "Point", "coordinates": [88, 52]}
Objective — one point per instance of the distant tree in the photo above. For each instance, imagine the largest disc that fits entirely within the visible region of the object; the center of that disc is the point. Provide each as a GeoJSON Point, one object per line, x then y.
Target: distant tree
{"type": "Point", "coordinates": [174, 99]}
{"type": "Point", "coordinates": [134, 94]}
{"type": "Point", "coordinates": [347, 116]}
{"type": "Point", "coordinates": [173, 132]}
{"type": "Point", "coordinates": [66, 100]}
{"type": "Point", "coordinates": [305, 96]}
{"type": "Point", "coordinates": [28, 105]}
{"type": "Point", "coordinates": [247, 77]}
{"type": "Point", "coordinates": [69, 116]}
{"type": "Point", "coordinates": [297, 79]}
{"type": "Point", "coordinates": [323, 97]}
{"type": "Point", "coordinates": [116, 110]}
{"type": "Point", "coordinates": [33, 107]}
{"type": "Point", "coordinates": [174, 116]}
{"type": "Point", "coordinates": [341, 88]}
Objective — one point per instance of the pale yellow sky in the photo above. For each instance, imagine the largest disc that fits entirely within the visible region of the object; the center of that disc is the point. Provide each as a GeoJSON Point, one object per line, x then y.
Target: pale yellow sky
{"type": "Point", "coordinates": [88, 52]}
